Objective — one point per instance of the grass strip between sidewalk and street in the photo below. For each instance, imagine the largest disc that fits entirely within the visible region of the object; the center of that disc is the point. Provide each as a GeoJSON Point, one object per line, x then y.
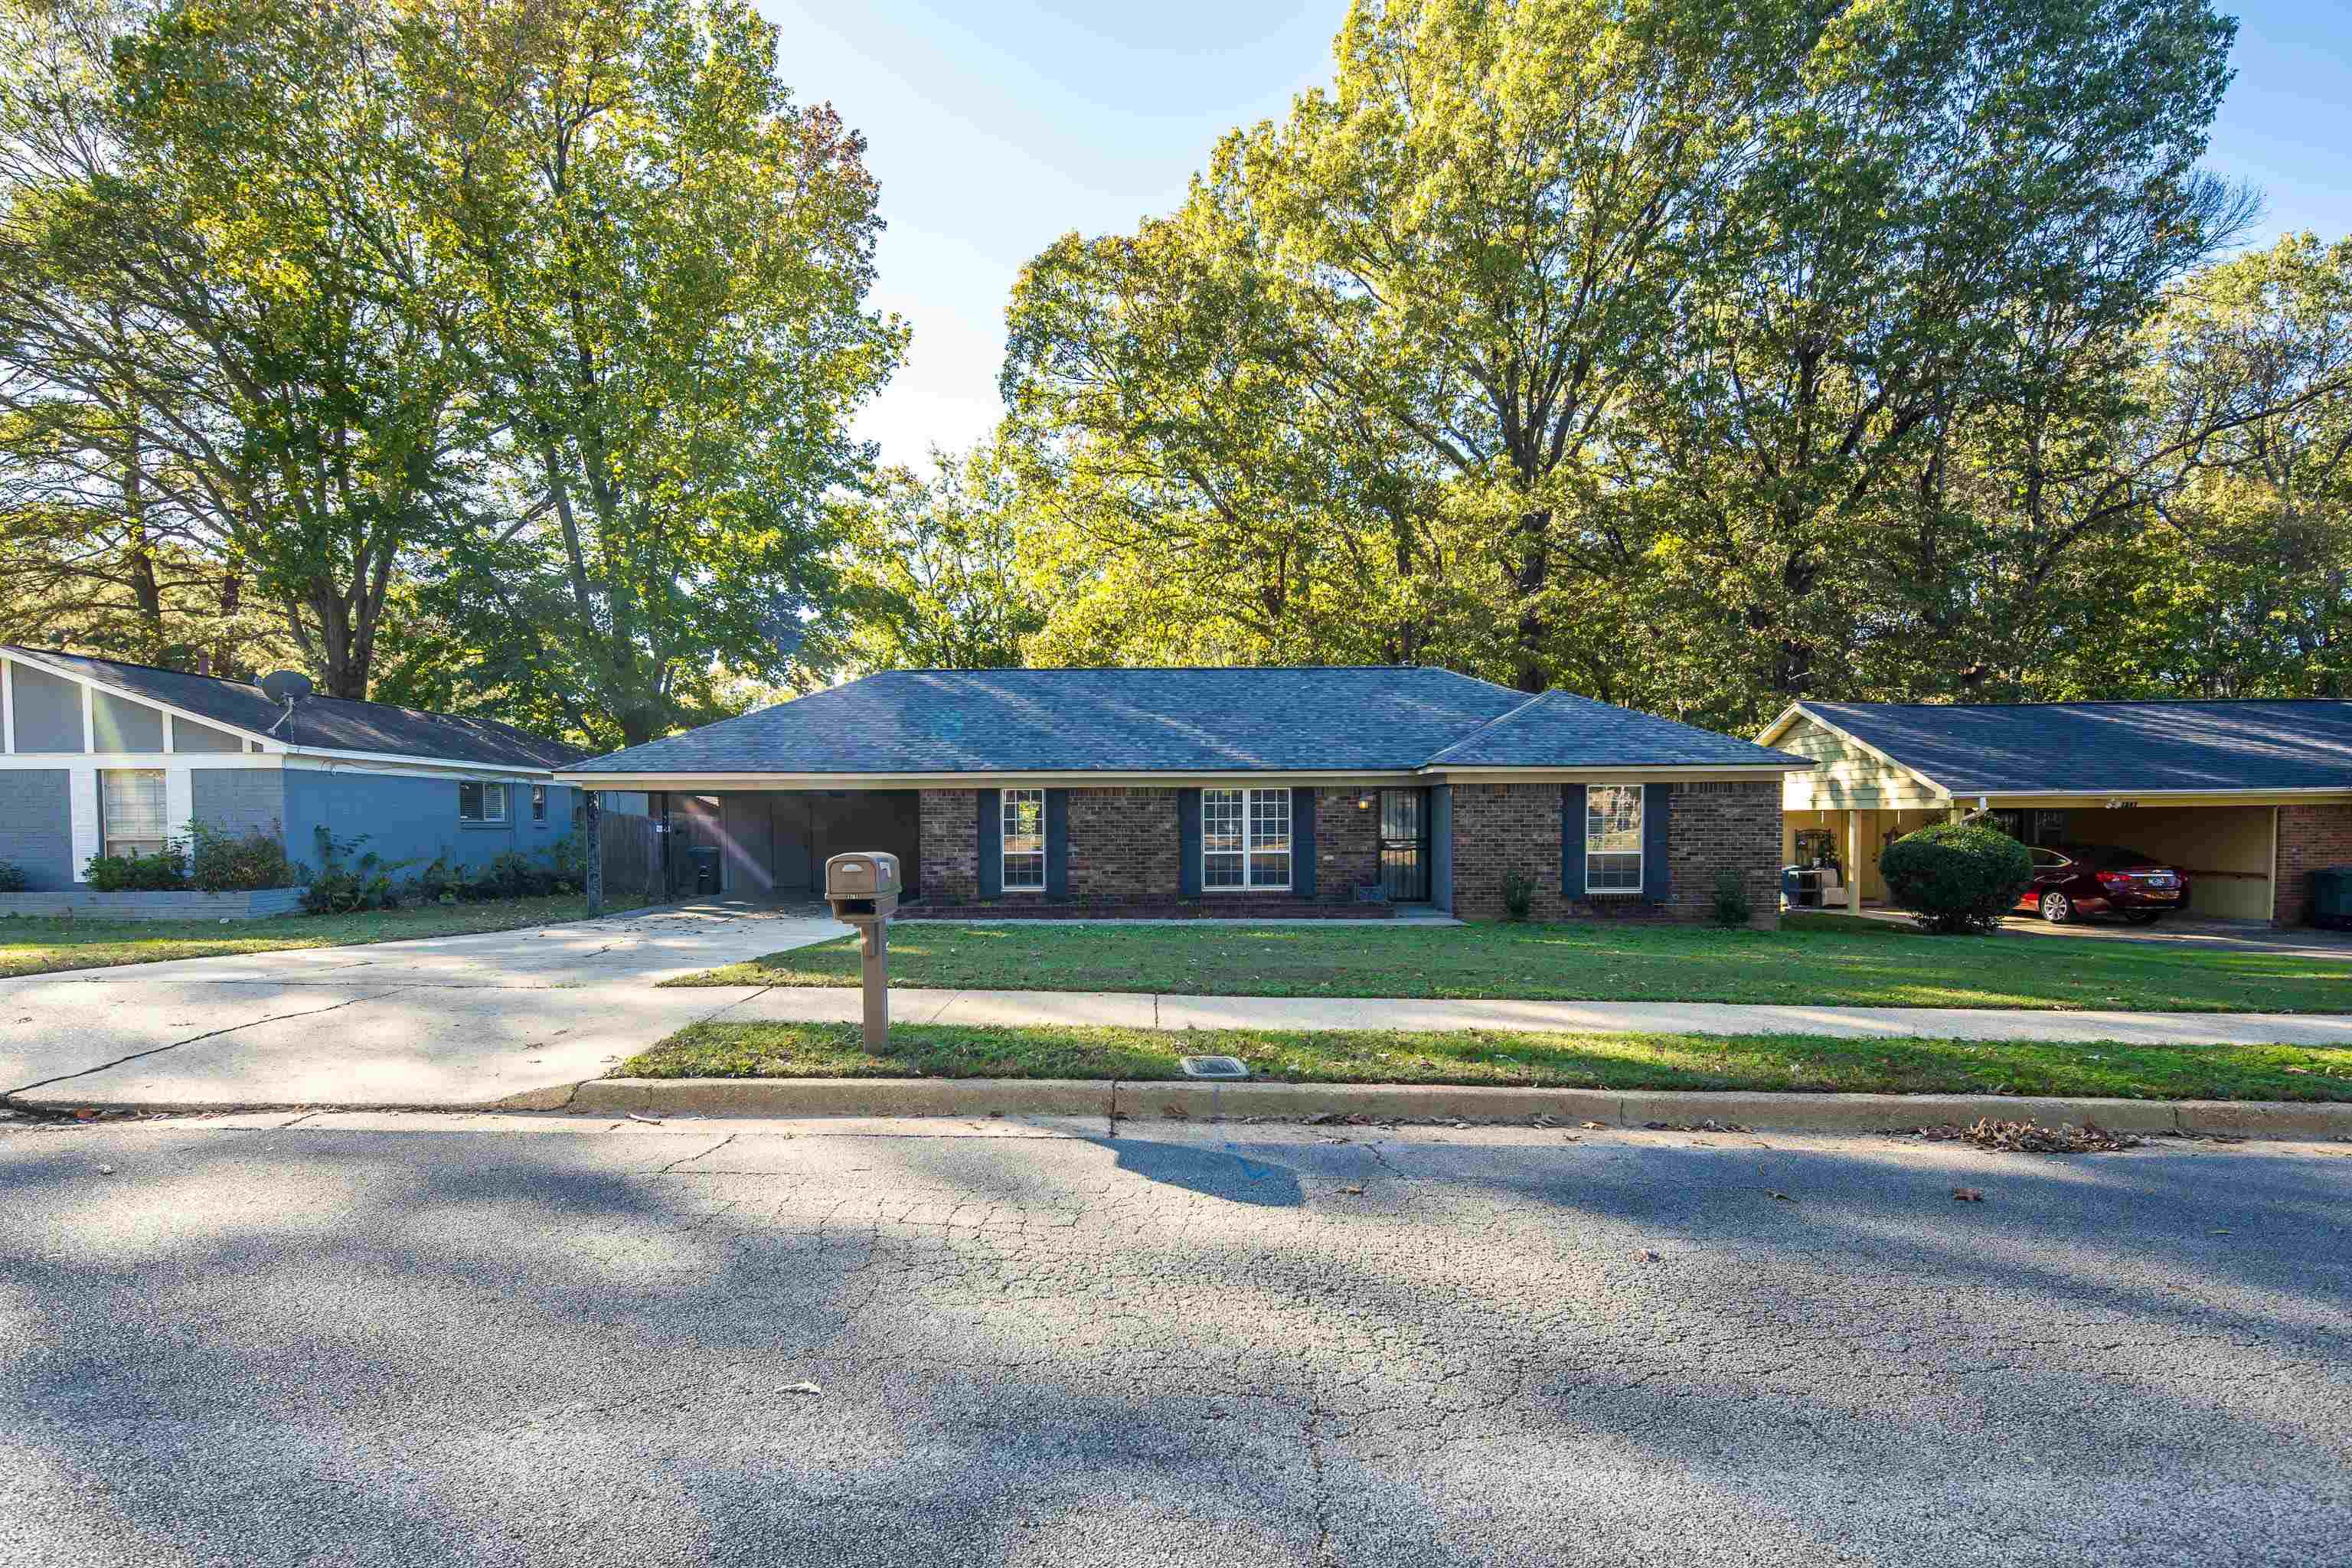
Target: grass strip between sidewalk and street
{"type": "Point", "coordinates": [1496, 1058]}
{"type": "Point", "coordinates": [1883, 966]}
{"type": "Point", "coordinates": [38, 944]}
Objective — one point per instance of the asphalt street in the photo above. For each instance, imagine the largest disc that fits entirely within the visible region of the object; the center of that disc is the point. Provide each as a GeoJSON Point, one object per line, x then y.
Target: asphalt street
{"type": "Point", "coordinates": [375, 1339]}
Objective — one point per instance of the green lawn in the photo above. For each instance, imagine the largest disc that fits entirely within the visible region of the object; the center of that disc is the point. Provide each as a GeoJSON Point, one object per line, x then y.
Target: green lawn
{"type": "Point", "coordinates": [1529, 1060]}
{"type": "Point", "coordinates": [1883, 965]}
{"type": "Point", "coordinates": [35, 945]}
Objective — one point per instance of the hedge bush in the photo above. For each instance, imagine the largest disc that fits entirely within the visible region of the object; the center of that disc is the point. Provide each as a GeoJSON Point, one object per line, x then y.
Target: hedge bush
{"type": "Point", "coordinates": [165, 871]}
{"type": "Point", "coordinates": [12, 878]}
{"type": "Point", "coordinates": [1956, 877]}
{"type": "Point", "coordinates": [220, 861]}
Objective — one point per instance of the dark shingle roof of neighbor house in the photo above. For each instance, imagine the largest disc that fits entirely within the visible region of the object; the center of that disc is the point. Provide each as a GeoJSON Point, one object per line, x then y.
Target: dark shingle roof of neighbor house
{"type": "Point", "coordinates": [2110, 747]}
{"type": "Point", "coordinates": [1322, 719]}
{"type": "Point", "coordinates": [326, 723]}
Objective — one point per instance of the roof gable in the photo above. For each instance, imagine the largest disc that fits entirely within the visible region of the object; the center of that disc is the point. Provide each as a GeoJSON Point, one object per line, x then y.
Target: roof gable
{"type": "Point", "coordinates": [2119, 748]}
{"type": "Point", "coordinates": [319, 724]}
{"type": "Point", "coordinates": [1317, 719]}
{"type": "Point", "coordinates": [1600, 734]}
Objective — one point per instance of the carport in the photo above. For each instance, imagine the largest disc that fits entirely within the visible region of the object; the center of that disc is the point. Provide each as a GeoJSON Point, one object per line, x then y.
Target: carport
{"type": "Point", "coordinates": [774, 843]}
{"type": "Point", "coordinates": [2247, 797]}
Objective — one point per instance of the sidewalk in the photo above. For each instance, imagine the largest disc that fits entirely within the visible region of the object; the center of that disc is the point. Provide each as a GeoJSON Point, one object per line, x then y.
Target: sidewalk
{"type": "Point", "coordinates": [1141, 1010]}
{"type": "Point", "coordinates": [522, 1017]}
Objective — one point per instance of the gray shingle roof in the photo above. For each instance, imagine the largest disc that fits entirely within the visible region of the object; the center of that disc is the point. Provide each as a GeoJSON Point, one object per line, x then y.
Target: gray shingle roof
{"type": "Point", "coordinates": [2116, 747]}
{"type": "Point", "coordinates": [1319, 719]}
{"type": "Point", "coordinates": [328, 723]}
{"type": "Point", "coordinates": [1561, 723]}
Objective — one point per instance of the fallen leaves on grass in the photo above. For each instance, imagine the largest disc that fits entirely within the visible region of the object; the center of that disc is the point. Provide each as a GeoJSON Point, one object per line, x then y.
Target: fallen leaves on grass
{"type": "Point", "coordinates": [2032, 1137]}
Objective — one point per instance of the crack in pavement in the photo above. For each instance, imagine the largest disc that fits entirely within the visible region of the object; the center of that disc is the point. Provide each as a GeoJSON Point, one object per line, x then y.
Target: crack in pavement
{"type": "Point", "coordinates": [193, 1039]}
{"type": "Point", "coordinates": [698, 1154]}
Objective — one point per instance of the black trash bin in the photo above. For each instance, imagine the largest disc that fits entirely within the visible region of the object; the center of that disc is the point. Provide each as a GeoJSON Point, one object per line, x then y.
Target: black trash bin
{"type": "Point", "coordinates": [706, 868]}
{"type": "Point", "coordinates": [2331, 898]}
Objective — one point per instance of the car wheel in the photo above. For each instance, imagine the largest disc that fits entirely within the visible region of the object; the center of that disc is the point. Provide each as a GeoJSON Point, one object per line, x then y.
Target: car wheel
{"type": "Point", "coordinates": [2143, 917]}
{"type": "Point", "coordinates": [2057, 907]}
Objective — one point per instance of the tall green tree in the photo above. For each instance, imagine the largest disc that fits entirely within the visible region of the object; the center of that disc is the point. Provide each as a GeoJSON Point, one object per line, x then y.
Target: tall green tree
{"type": "Point", "coordinates": [672, 258]}
{"type": "Point", "coordinates": [222, 330]}
{"type": "Point", "coordinates": [932, 573]}
{"type": "Point", "coordinates": [1622, 344]}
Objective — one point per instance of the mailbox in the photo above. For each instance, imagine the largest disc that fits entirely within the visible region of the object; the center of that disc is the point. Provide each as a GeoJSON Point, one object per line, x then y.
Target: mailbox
{"type": "Point", "coordinates": [863, 889]}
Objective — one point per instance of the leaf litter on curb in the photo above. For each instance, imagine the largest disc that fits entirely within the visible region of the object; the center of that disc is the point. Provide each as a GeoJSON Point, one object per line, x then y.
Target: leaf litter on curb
{"type": "Point", "coordinates": [2032, 1137]}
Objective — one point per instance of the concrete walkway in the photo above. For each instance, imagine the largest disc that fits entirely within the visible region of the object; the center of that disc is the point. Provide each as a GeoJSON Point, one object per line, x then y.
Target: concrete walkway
{"type": "Point", "coordinates": [520, 1016]}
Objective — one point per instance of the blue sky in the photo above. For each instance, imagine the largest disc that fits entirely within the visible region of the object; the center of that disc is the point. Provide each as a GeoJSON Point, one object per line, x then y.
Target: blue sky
{"type": "Point", "coordinates": [995, 127]}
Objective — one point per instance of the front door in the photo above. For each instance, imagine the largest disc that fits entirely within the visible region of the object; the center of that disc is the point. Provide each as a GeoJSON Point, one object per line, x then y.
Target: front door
{"type": "Point", "coordinates": [1405, 845]}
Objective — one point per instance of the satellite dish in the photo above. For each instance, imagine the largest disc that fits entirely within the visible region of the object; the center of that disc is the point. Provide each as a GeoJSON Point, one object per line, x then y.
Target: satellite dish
{"type": "Point", "coordinates": [286, 686]}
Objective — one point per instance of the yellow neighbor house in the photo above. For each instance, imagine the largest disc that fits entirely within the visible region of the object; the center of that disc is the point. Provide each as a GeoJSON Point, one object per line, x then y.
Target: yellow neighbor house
{"type": "Point", "coordinates": [2247, 797]}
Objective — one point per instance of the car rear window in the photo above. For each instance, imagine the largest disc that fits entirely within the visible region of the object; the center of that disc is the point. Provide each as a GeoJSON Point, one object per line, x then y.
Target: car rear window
{"type": "Point", "coordinates": [2107, 860]}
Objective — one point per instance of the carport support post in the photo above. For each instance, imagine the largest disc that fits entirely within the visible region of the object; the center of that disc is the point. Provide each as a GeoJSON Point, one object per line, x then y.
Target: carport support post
{"type": "Point", "coordinates": [876, 969]}
{"type": "Point", "coordinates": [596, 812]}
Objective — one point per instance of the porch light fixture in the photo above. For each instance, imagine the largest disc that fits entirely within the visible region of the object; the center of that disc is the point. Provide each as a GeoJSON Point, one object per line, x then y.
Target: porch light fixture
{"type": "Point", "coordinates": [1364, 802]}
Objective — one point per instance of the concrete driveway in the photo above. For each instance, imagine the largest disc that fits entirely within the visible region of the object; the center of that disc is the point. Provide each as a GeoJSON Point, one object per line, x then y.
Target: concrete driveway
{"type": "Point", "coordinates": [467, 1020]}
{"type": "Point", "coordinates": [391, 1342]}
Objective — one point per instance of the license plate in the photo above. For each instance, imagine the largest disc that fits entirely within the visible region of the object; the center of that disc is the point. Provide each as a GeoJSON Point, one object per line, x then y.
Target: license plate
{"type": "Point", "coordinates": [2164, 892]}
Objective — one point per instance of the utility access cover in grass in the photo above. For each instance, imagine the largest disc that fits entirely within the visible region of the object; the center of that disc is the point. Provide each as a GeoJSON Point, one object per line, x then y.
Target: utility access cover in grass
{"type": "Point", "coordinates": [1214, 1067]}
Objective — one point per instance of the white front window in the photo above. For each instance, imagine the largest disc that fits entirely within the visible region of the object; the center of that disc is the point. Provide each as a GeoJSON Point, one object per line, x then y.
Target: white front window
{"type": "Point", "coordinates": [1024, 840]}
{"type": "Point", "coordinates": [131, 810]}
{"type": "Point", "coordinates": [481, 802]}
{"type": "Point", "coordinates": [1244, 838]}
{"type": "Point", "coordinates": [1613, 838]}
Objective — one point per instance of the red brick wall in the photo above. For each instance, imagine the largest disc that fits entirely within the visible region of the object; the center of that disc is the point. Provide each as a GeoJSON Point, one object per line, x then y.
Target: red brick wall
{"type": "Point", "coordinates": [1123, 844]}
{"type": "Point", "coordinates": [2310, 839]}
{"type": "Point", "coordinates": [1719, 827]}
{"type": "Point", "coordinates": [948, 842]}
{"type": "Point", "coordinates": [1347, 843]}
{"type": "Point", "coordinates": [1498, 829]}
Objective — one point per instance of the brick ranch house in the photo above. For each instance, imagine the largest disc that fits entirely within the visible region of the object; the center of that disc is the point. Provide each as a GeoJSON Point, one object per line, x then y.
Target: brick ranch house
{"type": "Point", "coordinates": [1309, 791]}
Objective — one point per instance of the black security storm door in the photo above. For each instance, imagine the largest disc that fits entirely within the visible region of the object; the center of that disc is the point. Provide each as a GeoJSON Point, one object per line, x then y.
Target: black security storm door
{"type": "Point", "coordinates": [1405, 845]}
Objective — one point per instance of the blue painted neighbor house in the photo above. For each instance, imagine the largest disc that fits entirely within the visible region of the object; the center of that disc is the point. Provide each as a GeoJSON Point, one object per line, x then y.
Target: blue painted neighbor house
{"type": "Point", "coordinates": [102, 757]}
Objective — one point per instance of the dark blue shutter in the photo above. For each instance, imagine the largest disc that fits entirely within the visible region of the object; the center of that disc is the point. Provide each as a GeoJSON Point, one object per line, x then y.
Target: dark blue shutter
{"type": "Point", "coordinates": [1188, 843]}
{"type": "Point", "coordinates": [1571, 841]}
{"type": "Point", "coordinates": [1657, 818]}
{"type": "Point", "coordinates": [1057, 843]}
{"type": "Point", "coordinates": [991, 844]}
{"type": "Point", "coordinates": [1302, 842]}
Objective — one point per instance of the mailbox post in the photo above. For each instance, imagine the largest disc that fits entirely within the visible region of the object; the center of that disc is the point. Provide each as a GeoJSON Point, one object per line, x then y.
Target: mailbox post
{"type": "Point", "coordinates": [863, 889]}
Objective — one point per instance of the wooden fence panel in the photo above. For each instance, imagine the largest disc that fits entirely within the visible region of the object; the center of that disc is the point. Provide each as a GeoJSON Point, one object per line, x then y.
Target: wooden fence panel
{"type": "Point", "coordinates": [632, 856]}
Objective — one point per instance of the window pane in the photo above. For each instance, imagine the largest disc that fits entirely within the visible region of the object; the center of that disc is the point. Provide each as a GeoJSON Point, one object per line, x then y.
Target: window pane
{"type": "Point", "coordinates": [1222, 815]}
{"type": "Point", "coordinates": [1605, 872]}
{"type": "Point", "coordinates": [539, 803]}
{"type": "Point", "coordinates": [1022, 826]}
{"type": "Point", "coordinates": [469, 803]}
{"type": "Point", "coordinates": [131, 810]}
{"type": "Point", "coordinates": [1221, 870]}
{"type": "Point", "coordinates": [1269, 869]}
{"type": "Point", "coordinates": [1025, 822]}
{"type": "Point", "coordinates": [1612, 818]}
{"type": "Point", "coordinates": [1269, 819]}
{"type": "Point", "coordinates": [494, 803]}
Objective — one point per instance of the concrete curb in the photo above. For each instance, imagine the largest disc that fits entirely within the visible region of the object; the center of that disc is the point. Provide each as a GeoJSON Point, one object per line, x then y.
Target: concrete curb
{"type": "Point", "coordinates": [1188, 1100]}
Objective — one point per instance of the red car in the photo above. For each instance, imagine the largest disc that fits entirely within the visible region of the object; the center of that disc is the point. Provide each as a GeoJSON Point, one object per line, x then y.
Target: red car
{"type": "Point", "coordinates": [2072, 879]}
